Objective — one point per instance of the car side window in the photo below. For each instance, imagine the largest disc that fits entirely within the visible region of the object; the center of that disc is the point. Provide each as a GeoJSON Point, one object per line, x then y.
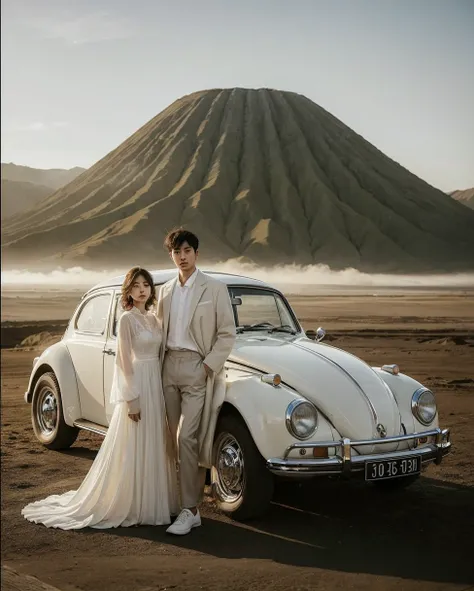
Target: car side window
{"type": "Point", "coordinates": [285, 317]}
{"type": "Point", "coordinates": [93, 315]}
{"type": "Point", "coordinates": [118, 311]}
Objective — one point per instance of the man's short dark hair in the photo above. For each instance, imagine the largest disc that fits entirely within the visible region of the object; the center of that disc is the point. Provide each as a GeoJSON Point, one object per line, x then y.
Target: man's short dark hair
{"type": "Point", "coordinates": [178, 236]}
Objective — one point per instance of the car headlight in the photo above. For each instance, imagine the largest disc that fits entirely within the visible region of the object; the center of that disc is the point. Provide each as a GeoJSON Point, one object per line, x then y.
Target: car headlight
{"type": "Point", "coordinates": [301, 419]}
{"type": "Point", "coordinates": [423, 406]}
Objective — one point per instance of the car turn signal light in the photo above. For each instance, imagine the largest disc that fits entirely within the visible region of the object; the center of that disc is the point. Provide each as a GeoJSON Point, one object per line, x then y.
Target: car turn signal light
{"type": "Point", "coordinates": [274, 379]}
{"type": "Point", "coordinates": [393, 369]}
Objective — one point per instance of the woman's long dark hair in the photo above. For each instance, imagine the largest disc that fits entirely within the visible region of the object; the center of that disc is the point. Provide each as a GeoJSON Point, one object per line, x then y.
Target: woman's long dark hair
{"type": "Point", "coordinates": [130, 278]}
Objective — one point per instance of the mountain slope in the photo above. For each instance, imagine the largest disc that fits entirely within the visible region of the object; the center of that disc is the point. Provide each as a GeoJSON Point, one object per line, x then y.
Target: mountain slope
{"type": "Point", "coordinates": [19, 196]}
{"type": "Point", "coordinates": [23, 187]}
{"type": "Point", "coordinates": [261, 174]}
{"type": "Point", "coordinates": [466, 197]}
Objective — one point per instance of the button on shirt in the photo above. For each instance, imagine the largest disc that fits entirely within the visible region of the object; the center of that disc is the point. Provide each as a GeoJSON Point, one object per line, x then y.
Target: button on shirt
{"type": "Point", "coordinates": [178, 333]}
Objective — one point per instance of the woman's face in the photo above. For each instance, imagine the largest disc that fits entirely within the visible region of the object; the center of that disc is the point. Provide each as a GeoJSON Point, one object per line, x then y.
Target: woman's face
{"type": "Point", "coordinates": [141, 290]}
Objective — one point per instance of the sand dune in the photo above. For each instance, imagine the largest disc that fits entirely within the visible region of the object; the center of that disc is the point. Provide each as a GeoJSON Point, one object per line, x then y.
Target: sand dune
{"type": "Point", "coordinates": [260, 175]}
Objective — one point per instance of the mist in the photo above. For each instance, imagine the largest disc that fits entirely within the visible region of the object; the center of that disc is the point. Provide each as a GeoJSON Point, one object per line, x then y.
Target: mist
{"type": "Point", "coordinates": [294, 278]}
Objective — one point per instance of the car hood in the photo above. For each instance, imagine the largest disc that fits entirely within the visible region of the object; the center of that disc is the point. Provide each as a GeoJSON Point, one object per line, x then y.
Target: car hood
{"type": "Point", "coordinates": [344, 388]}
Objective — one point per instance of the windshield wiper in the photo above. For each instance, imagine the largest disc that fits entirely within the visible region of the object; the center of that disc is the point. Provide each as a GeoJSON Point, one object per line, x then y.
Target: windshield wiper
{"type": "Point", "coordinates": [258, 326]}
{"type": "Point", "coordinates": [266, 326]}
{"type": "Point", "coordinates": [285, 328]}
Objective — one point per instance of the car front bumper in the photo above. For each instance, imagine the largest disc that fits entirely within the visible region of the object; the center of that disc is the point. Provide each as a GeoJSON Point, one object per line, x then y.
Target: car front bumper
{"type": "Point", "coordinates": [347, 463]}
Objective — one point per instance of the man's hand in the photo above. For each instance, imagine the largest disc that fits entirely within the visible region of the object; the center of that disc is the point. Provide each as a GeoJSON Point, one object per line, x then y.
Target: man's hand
{"type": "Point", "coordinates": [209, 371]}
{"type": "Point", "coordinates": [135, 416]}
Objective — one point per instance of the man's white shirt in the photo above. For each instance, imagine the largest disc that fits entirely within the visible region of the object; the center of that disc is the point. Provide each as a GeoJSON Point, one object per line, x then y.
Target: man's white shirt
{"type": "Point", "coordinates": [179, 337]}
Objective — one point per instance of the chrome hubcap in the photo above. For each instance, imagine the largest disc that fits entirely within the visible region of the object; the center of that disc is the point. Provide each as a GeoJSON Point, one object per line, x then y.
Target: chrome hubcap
{"type": "Point", "coordinates": [230, 468]}
{"type": "Point", "coordinates": [47, 413]}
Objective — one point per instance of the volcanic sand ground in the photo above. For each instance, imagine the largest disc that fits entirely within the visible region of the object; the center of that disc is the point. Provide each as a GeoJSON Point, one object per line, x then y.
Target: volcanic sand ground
{"type": "Point", "coordinates": [325, 535]}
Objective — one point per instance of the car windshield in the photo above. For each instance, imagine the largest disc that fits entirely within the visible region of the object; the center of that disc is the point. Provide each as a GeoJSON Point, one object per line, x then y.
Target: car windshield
{"type": "Point", "coordinates": [261, 309]}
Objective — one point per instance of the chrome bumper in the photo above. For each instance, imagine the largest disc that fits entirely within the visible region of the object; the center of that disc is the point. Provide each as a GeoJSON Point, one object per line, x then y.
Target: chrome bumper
{"type": "Point", "coordinates": [344, 463]}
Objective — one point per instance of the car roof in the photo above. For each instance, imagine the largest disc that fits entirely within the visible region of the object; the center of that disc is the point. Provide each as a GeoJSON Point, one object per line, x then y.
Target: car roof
{"type": "Point", "coordinates": [162, 276]}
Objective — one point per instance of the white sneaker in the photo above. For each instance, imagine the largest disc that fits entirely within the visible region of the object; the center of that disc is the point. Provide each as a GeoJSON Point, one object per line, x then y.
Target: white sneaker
{"type": "Point", "coordinates": [184, 523]}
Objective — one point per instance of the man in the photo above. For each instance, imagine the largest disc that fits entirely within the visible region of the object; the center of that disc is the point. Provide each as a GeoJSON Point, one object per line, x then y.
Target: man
{"type": "Point", "coordinates": [198, 335]}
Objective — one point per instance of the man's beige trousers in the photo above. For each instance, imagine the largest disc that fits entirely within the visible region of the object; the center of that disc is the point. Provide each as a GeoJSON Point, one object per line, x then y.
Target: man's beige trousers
{"type": "Point", "coordinates": [184, 388]}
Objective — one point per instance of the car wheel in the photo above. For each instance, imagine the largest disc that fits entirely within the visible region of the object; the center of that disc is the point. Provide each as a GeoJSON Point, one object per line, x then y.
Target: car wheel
{"type": "Point", "coordinates": [394, 484]}
{"type": "Point", "coordinates": [241, 484]}
{"type": "Point", "coordinates": [47, 415]}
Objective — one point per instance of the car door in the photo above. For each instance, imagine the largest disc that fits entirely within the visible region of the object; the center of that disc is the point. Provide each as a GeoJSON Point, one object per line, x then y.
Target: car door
{"type": "Point", "coordinates": [86, 347]}
{"type": "Point", "coordinates": [110, 352]}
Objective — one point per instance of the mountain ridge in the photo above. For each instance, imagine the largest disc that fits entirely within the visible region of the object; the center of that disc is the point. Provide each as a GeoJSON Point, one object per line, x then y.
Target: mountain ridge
{"type": "Point", "coordinates": [464, 196]}
{"type": "Point", "coordinates": [49, 177]}
{"type": "Point", "coordinates": [23, 186]}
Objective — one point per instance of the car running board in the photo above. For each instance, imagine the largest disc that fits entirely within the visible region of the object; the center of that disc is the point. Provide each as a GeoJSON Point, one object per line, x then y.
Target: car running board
{"type": "Point", "coordinates": [90, 426]}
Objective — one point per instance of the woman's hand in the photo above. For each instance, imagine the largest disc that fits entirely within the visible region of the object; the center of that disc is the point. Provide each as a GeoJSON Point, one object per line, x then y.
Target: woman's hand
{"type": "Point", "coordinates": [134, 409]}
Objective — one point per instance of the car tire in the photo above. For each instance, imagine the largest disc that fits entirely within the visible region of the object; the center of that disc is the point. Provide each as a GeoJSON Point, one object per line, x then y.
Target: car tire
{"type": "Point", "coordinates": [394, 484]}
{"type": "Point", "coordinates": [241, 484]}
{"type": "Point", "coordinates": [47, 415]}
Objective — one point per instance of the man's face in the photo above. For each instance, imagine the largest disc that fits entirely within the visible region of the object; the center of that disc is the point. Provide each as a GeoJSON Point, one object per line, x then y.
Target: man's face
{"type": "Point", "coordinates": [184, 257]}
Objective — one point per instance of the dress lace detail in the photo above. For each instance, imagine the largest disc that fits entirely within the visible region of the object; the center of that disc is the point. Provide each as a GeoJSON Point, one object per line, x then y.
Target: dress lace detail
{"type": "Point", "coordinates": [139, 338]}
{"type": "Point", "coordinates": [132, 479]}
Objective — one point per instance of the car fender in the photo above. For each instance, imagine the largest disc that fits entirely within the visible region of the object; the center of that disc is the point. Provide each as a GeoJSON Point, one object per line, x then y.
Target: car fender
{"type": "Point", "coordinates": [263, 409]}
{"type": "Point", "coordinates": [403, 388]}
{"type": "Point", "coordinates": [57, 359]}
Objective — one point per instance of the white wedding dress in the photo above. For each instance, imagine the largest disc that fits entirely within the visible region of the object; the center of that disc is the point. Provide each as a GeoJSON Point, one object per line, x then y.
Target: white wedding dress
{"type": "Point", "coordinates": [133, 479]}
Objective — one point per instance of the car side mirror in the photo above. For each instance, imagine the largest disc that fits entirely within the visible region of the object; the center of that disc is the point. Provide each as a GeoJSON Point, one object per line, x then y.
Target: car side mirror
{"type": "Point", "coordinates": [316, 335]}
{"type": "Point", "coordinates": [236, 301]}
{"type": "Point", "coordinates": [320, 334]}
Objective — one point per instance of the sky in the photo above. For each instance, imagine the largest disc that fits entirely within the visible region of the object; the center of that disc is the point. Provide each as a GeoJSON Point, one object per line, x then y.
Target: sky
{"type": "Point", "coordinates": [80, 76]}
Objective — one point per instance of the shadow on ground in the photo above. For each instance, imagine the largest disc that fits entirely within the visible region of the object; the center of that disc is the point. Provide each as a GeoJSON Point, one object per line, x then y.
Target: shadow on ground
{"type": "Point", "coordinates": [423, 533]}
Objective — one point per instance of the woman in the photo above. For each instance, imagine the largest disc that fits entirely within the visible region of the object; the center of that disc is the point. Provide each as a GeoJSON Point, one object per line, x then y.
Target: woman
{"type": "Point", "coordinates": [132, 480]}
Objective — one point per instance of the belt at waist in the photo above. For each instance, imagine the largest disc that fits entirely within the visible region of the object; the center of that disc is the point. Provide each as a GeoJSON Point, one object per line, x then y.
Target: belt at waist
{"type": "Point", "coordinates": [183, 353]}
{"type": "Point", "coordinates": [155, 359]}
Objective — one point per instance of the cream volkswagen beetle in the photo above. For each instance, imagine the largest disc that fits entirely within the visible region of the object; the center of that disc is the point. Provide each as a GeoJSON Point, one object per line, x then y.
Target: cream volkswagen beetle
{"type": "Point", "coordinates": [294, 407]}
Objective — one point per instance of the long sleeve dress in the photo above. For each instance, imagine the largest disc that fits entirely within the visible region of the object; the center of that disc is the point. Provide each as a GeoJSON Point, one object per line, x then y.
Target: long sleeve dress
{"type": "Point", "coordinates": [132, 480]}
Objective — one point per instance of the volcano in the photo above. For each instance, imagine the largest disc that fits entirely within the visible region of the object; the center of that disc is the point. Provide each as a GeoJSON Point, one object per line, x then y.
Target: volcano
{"type": "Point", "coordinates": [259, 175]}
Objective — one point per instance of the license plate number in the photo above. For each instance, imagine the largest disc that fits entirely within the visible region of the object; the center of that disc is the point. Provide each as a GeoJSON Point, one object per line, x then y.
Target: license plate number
{"type": "Point", "coordinates": [384, 469]}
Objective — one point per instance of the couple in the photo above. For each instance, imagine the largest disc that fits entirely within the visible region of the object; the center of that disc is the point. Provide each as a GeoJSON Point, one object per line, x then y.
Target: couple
{"type": "Point", "coordinates": [168, 385]}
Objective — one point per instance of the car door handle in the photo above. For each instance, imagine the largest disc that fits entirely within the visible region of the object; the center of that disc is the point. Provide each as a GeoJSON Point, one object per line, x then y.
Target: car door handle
{"type": "Point", "coordinates": [109, 351]}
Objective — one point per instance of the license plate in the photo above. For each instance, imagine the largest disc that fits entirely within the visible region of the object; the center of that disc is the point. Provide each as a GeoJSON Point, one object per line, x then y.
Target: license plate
{"type": "Point", "coordinates": [383, 469]}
